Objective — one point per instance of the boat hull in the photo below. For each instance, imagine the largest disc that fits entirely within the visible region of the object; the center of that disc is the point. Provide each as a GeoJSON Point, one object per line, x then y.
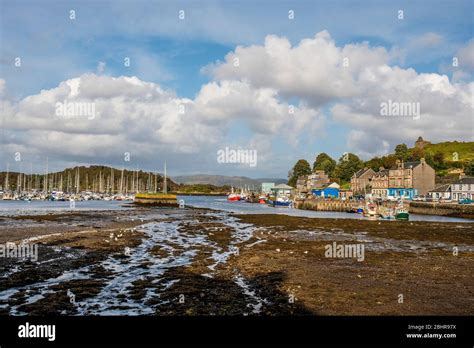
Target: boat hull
{"type": "Point", "coordinates": [402, 216]}
{"type": "Point", "coordinates": [280, 204]}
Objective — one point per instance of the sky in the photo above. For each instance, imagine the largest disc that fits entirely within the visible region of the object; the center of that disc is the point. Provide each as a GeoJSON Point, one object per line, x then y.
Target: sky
{"type": "Point", "coordinates": [150, 82]}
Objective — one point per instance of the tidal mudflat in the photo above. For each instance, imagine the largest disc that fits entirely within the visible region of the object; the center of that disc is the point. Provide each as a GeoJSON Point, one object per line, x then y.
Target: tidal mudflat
{"type": "Point", "coordinates": [151, 261]}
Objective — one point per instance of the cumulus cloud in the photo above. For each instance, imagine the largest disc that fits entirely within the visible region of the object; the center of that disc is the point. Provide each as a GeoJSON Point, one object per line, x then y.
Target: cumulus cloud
{"type": "Point", "coordinates": [275, 90]}
{"type": "Point", "coordinates": [143, 118]}
{"type": "Point", "coordinates": [314, 71]}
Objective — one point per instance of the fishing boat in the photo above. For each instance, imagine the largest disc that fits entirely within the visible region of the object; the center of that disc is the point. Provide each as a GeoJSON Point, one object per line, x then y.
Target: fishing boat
{"type": "Point", "coordinates": [401, 213]}
{"type": "Point", "coordinates": [281, 202]}
{"type": "Point", "coordinates": [233, 196]}
{"type": "Point", "coordinates": [387, 214]}
{"type": "Point", "coordinates": [243, 195]}
{"type": "Point", "coordinates": [370, 210]}
{"type": "Point", "coordinates": [262, 200]}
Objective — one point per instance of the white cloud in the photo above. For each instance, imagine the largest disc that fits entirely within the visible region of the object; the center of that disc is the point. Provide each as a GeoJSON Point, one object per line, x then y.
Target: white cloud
{"type": "Point", "coordinates": [143, 118]}
{"type": "Point", "coordinates": [257, 95]}
{"type": "Point", "coordinates": [313, 71]}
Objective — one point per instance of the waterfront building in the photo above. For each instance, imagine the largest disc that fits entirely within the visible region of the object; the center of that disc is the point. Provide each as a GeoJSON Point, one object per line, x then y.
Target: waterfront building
{"type": "Point", "coordinates": [267, 187]}
{"type": "Point", "coordinates": [441, 192]}
{"type": "Point", "coordinates": [408, 179]}
{"type": "Point", "coordinates": [400, 192]}
{"type": "Point", "coordinates": [463, 188]}
{"type": "Point", "coordinates": [331, 191]}
{"type": "Point", "coordinates": [306, 183]}
{"type": "Point", "coordinates": [318, 179]}
{"type": "Point", "coordinates": [302, 184]}
{"type": "Point", "coordinates": [282, 190]}
{"type": "Point", "coordinates": [360, 181]}
{"type": "Point", "coordinates": [345, 194]}
{"type": "Point", "coordinates": [379, 184]}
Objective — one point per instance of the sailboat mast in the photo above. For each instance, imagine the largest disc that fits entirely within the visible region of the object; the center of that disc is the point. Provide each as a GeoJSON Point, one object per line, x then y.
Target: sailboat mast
{"type": "Point", "coordinates": [165, 188]}
{"type": "Point", "coordinates": [6, 177]}
{"type": "Point", "coordinates": [121, 181]}
{"type": "Point", "coordinates": [46, 177]}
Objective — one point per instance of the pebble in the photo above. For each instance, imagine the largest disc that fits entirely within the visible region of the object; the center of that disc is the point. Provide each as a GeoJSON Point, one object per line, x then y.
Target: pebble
{"type": "Point", "coordinates": [277, 250]}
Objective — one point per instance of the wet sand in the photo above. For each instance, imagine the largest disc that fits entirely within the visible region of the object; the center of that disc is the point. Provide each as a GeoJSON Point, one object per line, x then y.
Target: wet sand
{"type": "Point", "coordinates": [150, 261]}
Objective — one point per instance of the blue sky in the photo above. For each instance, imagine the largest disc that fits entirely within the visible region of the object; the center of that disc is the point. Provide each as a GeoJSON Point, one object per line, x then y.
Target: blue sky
{"type": "Point", "coordinates": [173, 53]}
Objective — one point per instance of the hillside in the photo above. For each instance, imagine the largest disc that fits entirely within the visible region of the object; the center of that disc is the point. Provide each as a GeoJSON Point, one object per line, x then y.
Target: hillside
{"type": "Point", "coordinates": [465, 150]}
{"type": "Point", "coordinates": [223, 180]}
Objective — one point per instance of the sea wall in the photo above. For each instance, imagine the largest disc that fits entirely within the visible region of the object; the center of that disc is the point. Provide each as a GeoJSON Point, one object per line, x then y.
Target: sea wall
{"type": "Point", "coordinates": [325, 205]}
{"type": "Point", "coordinates": [443, 209]}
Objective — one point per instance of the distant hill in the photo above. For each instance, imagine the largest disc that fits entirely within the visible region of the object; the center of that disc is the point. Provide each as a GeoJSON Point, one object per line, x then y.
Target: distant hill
{"type": "Point", "coordinates": [223, 180]}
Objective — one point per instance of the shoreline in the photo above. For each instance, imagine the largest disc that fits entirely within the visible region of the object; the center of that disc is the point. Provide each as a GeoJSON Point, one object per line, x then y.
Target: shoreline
{"type": "Point", "coordinates": [278, 268]}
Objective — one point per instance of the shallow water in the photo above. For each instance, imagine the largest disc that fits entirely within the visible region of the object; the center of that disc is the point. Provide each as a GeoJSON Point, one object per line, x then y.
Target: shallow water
{"type": "Point", "coordinates": [8, 208]}
{"type": "Point", "coordinates": [240, 207]}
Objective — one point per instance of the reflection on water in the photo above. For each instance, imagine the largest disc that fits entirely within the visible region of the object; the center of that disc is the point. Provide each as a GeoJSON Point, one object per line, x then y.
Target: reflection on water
{"type": "Point", "coordinates": [33, 207]}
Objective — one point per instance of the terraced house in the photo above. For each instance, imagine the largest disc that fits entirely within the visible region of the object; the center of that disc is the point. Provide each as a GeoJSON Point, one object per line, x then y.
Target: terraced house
{"type": "Point", "coordinates": [379, 183]}
{"type": "Point", "coordinates": [462, 188]}
{"type": "Point", "coordinates": [360, 181]}
{"type": "Point", "coordinates": [408, 179]}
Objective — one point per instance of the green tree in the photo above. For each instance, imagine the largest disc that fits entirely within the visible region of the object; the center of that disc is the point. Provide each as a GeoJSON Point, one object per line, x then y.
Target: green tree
{"type": "Point", "coordinates": [438, 161]}
{"type": "Point", "coordinates": [346, 167]}
{"type": "Point", "coordinates": [417, 154]}
{"type": "Point", "coordinates": [469, 168]}
{"type": "Point", "coordinates": [324, 162]}
{"type": "Point", "coordinates": [375, 163]}
{"type": "Point", "coordinates": [401, 152]}
{"type": "Point", "coordinates": [301, 167]}
{"type": "Point", "coordinates": [389, 161]}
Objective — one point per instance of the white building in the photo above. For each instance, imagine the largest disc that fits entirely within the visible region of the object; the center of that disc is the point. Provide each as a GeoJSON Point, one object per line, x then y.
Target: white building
{"type": "Point", "coordinates": [462, 188]}
{"type": "Point", "coordinates": [441, 192]}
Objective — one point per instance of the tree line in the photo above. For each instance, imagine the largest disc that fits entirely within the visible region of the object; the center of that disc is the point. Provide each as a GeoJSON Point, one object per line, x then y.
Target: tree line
{"type": "Point", "coordinates": [343, 169]}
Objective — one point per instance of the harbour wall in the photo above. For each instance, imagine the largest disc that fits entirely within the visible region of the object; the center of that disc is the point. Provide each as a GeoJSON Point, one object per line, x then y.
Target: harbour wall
{"type": "Point", "coordinates": [423, 208]}
{"type": "Point", "coordinates": [443, 209]}
{"type": "Point", "coordinates": [325, 205]}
